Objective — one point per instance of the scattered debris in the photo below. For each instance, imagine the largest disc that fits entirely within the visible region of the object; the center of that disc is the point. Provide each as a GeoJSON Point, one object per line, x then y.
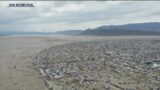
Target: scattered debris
{"type": "Point", "coordinates": [126, 64]}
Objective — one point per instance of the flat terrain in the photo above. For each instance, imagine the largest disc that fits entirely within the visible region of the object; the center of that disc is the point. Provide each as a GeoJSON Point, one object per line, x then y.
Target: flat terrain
{"type": "Point", "coordinates": [17, 54]}
{"type": "Point", "coordinates": [113, 64]}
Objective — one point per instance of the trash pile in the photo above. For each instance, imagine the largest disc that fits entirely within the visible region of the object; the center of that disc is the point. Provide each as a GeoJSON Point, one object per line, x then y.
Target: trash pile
{"type": "Point", "coordinates": [103, 64]}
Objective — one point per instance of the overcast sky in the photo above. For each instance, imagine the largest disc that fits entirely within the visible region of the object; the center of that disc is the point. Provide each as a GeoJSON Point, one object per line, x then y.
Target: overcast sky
{"type": "Point", "coordinates": [68, 15]}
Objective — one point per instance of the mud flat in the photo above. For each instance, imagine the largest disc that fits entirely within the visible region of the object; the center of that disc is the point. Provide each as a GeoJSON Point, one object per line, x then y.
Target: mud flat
{"type": "Point", "coordinates": [16, 55]}
{"type": "Point", "coordinates": [16, 59]}
{"type": "Point", "coordinates": [16, 52]}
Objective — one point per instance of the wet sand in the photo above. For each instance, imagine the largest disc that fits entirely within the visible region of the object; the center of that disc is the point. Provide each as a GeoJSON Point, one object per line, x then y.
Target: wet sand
{"type": "Point", "coordinates": [16, 55]}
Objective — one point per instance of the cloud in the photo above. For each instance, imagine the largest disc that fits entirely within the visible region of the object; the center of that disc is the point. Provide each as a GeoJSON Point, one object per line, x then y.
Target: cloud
{"type": "Point", "coordinates": [60, 15]}
{"type": "Point", "coordinates": [69, 7]}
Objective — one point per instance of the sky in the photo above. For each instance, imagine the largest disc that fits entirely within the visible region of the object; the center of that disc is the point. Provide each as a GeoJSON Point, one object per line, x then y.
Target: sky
{"type": "Point", "coordinates": [51, 16]}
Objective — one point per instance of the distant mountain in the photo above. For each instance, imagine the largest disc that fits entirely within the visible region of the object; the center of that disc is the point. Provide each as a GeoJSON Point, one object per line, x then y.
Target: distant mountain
{"type": "Point", "coordinates": [24, 33]}
{"type": "Point", "coordinates": [152, 28]}
{"type": "Point", "coordinates": [127, 29]}
{"type": "Point", "coordinates": [69, 32]}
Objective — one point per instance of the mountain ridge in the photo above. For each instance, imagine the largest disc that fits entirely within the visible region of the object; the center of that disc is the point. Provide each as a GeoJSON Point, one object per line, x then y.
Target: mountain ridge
{"type": "Point", "coordinates": [152, 28]}
{"type": "Point", "coordinates": [148, 28]}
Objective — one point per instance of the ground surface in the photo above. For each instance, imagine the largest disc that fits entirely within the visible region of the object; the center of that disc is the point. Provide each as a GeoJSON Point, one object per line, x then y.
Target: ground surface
{"type": "Point", "coordinates": [16, 52]}
{"type": "Point", "coordinates": [16, 55]}
{"type": "Point", "coordinates": [118, 64]}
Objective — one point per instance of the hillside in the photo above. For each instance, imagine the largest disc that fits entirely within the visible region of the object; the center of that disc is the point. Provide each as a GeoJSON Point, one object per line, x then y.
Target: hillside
{"type": "Point", "coordinates": [127, 29]}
